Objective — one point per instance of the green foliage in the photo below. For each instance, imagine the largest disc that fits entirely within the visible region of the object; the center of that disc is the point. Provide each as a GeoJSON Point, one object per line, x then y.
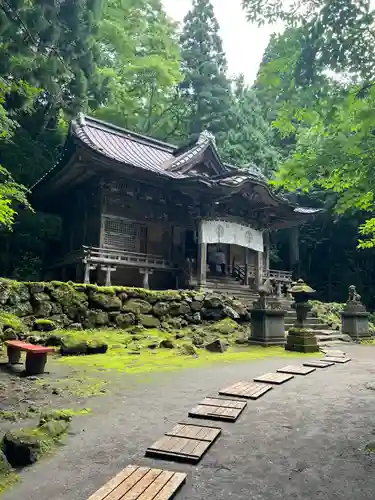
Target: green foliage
{"type": "Point", "coordinates": [10, 193]}
{"type": "Point", "coordinates": [334, 152]}
{"type": "Point", "coordinates": [249, 138]}
{"type": "Point", "coordinates": [141, 60]}
{"type": "Point", "coordinates": [339, 34]}
{"type": "Point", "coordinates": [205, 86]}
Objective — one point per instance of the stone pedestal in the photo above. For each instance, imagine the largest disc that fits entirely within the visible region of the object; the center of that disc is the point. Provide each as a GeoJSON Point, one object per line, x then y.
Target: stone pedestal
{"type": "Point", "coordinates": [301, 340]}
{"type": "Point", "coordinates": [267, 327]}
{"type": "Point", "coordinates": [355, 324]}
{"type": "Point", "coordinates": [35, 363]}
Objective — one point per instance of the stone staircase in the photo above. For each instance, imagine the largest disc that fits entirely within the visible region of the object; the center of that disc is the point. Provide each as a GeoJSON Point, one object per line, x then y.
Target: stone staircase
{"type": "Point", "coordinates": [324, 334]}
{"type": "Point", "coordinates": [229, 285]}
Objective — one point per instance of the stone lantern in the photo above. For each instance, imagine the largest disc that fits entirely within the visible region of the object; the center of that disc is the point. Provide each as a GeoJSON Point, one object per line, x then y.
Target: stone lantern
{"type": "Point", "coordinates": [300, 338]}
{"type": "Point", "coordinates": [354, 317]}
{"type": "Point", "coordinates": [267, 319]}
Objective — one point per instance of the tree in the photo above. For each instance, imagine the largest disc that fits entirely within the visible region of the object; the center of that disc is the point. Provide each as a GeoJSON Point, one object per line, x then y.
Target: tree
{"type": "Point", "coordinates": [339, 33]}
{"type": "Point", "coordinates": [142, 58]}
{"type": "Point", "coordinates": [10, 191]}
{"type": "Point", "coordinates": [249, 139]}
{"type": "Point", "coordinates": [51, 46]}
{"type": "Point", "coordinates": [205, 86]}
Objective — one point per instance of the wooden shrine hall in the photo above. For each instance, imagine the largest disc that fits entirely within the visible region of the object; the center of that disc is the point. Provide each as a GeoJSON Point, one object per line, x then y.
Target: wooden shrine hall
{"type": "Point", "coordinates": [140, 212]}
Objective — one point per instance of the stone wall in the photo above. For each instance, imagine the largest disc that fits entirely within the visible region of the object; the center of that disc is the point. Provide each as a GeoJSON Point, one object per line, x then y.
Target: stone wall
{"type": "Point", "coordinates": [50, 305]}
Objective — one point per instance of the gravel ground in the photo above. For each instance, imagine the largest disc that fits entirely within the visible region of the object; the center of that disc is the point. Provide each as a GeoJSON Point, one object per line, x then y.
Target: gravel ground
{"type": "Point", "coordinates": [303, 440]}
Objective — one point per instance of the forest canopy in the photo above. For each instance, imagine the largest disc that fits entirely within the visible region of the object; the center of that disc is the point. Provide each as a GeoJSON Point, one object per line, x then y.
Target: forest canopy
{"type": "Point", "coordinates": [307, 121]}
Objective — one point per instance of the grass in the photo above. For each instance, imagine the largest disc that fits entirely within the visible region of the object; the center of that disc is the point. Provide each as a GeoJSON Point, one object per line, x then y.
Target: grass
{"type": "Point", "coordinates": [7, 481]}
{"type": "Point", "coordinates": [15, 416]}
{"type": "Point", "coordinates": [121, 344]}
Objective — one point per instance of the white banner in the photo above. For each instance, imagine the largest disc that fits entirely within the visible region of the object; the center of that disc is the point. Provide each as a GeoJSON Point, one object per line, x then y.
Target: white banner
{"type": "Point", "coordinates": [231, 233]}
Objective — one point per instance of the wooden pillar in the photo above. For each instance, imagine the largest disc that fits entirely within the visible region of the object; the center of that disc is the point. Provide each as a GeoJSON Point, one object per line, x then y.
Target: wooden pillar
{"type": "Point", "coordinates": [294, 251]}
{"type": "Point", "coordinates": [266, 255]}
{"type": "Point", "coordinates": [108, 271]}
{"type": "Point", "coordinates": [259, 269]}
{"type": "Point", "coordinates": [145, 281]}
{"type": "Point", "coordinates": [246, 278]}
{"type": "Point", "coordinates": [202, 258]}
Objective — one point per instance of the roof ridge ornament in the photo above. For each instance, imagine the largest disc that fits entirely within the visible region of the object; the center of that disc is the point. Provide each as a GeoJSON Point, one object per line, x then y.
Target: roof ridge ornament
{"type": "Point", "coordinates": [254, 170]}
{"type": "Point", "coordinates": [81, 119]}
{"type": "Point", "coordinates": [206, 136]}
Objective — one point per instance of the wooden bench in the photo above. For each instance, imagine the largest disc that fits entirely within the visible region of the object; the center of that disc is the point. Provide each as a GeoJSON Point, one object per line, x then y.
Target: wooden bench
{"type": "Point", "coordinates": [141, 483]}
{"type": "Point", "coordinates": [36, 357]}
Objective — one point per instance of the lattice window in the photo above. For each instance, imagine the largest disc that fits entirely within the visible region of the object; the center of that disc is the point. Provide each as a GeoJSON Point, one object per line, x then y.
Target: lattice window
{"type": "Point", "coordinates": [121, 234]}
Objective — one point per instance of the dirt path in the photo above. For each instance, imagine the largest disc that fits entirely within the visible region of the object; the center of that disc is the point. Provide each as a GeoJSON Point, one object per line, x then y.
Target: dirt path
{"type": "Point", "coordinates": [303, 440]}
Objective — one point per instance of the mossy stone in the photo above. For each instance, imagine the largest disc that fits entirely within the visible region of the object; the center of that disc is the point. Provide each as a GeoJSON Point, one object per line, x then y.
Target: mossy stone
{"type": "Point", "coordinates": [8, 334]}
{"type": "Point", "coordinates": [137, 306]}
{"type": "Point", "coordinates": [226, 326]}
{"type": "Point", "coordinates": [5, 467]}
{"type": "Point", "coordinates": [125, 320]}
{"type": "Point", "coordinates": [149, 321]}
{"type": "Point", "coordinates": [22, 309]}
{"type": "Point", "coordinates": [161, 308]}
{"type": "Point", "coordinates": [96, 319]}
{"type": "Point", "coordinates": [196, 305]}
{"type": "Point", "coordinates": [188, 350]}
{"type": "Point", "coordinates": [44, 325]}
{"type": "Point", "coordinates": [105, 301]}
{"type": "Point", "coordinates": [213, 301]}
{"type": "Point", "coordinates": [22, 447]}
{"type": "Point", "coordinates": [167, 344]}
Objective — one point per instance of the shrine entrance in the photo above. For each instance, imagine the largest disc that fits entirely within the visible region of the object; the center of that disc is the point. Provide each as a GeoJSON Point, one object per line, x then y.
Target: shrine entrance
{"type": "Point", "coordinates": [229, 248]}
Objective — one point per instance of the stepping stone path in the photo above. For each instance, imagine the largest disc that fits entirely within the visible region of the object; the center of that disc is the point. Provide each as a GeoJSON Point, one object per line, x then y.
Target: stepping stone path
{"type": "Point", "coordinates": [218, 409]}
{"type": "Point", "coordinates": [248, 390]}
{"type": "Point", "coordinates": [318, 364]}
{"type": "Point", "coordinates": [185, 443]}
{"type": "Point", "coordinates": [274, 378]}
{"type": "Point", "coordinates": [334, 359]}
{"type": "Point", "coordinates": [332, 352]}
{"type": "Point", "coordinates": [141, 483]}
{"type": "Point", "coordinates": [189, 442]}
{"type": "Point", "coordinates": [296, 370]}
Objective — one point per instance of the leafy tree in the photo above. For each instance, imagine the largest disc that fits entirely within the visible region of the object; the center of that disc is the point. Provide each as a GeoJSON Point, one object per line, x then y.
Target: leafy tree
{"type": "Point", "coordinates": [10, 191]}
{"type": "Point", "coordinates": [249, 139]}
{"type": "Point", "coordinates": [205, 87]}
{"type": "Point", "coordinates": [51, 46]}
{"type": "Point", "coordinates": [141, 57]}
{"type": "Point", "coordinates": [338, 33]}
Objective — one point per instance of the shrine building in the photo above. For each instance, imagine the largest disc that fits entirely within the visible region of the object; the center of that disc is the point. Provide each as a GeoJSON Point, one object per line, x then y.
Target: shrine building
{"type": "Point", "coordinates": [137, 211]}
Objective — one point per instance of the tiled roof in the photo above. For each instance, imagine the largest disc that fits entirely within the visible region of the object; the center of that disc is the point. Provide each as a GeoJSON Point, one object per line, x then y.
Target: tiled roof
{"type": "Point", "coordinates": [162, 158]}
{"type": "Point", "coordinates": [124, 146]}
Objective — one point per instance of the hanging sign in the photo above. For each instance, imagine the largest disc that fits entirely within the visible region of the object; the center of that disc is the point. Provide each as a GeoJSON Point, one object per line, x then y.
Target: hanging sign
{"type": "Point", "coordinates": [231, 233]}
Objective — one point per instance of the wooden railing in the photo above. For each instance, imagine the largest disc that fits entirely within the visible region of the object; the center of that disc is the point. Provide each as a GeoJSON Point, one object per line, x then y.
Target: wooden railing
{"type": "Point", "coordinates": [113, 257]}
{"type": "Point", "coordinates": [272, 274]}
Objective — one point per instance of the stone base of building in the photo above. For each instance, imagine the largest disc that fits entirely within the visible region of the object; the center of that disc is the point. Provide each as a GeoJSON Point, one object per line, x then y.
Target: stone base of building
{"type": "Point", "coordinates": [301, 340]}
{"type": "Point", "coordinates": [267, 327]}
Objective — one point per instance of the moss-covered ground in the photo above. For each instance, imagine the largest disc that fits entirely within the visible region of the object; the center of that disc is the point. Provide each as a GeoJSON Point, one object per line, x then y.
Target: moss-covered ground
{"type": "Point", "coordinates": [136, 357]}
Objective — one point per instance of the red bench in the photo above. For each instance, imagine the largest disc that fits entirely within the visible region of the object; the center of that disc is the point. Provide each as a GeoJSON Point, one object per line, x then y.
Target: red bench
{"type": "Point", "coordinates": [36, 357]}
